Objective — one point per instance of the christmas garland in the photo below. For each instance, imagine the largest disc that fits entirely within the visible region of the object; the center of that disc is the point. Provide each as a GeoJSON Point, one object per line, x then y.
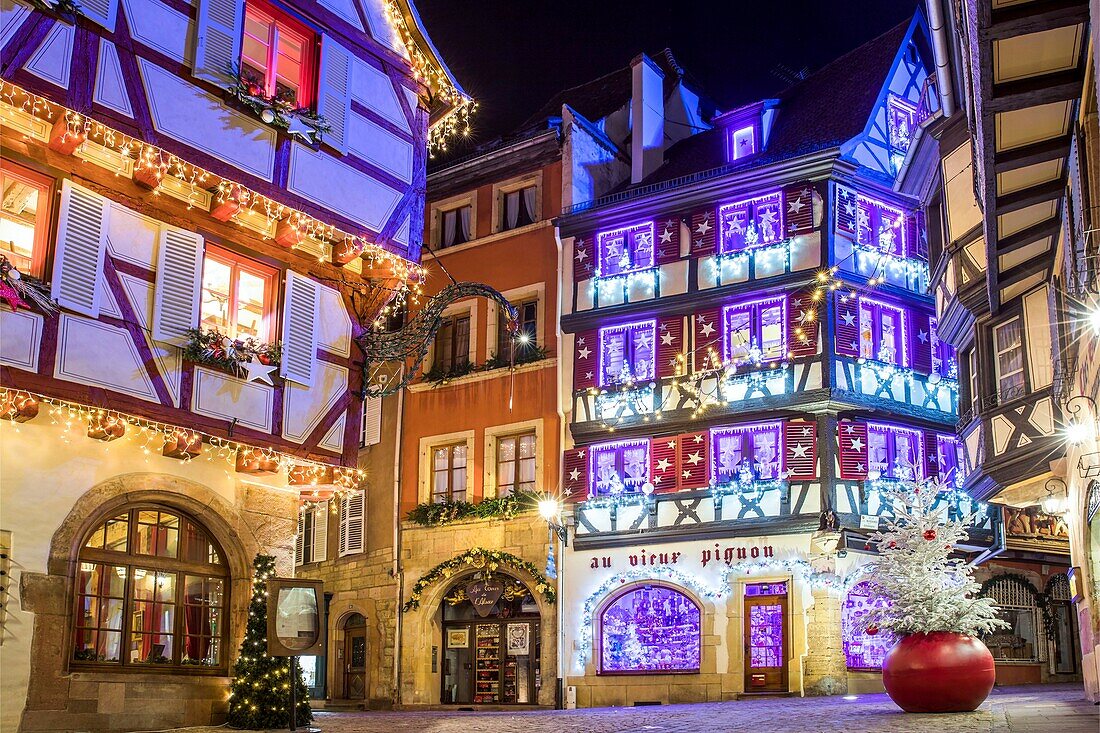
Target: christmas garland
{"type": "Point", "coordinates": [277, 110]}
{"type": "Point", "coordinates": [68, 10]}
{"type": "Point", "coordinates": [22, 291]}
{"type": "Point", "coordinates": [502, 507]}
{"type": "Point", "coordinates": [213, 348]}
{"type": "Point", "coordinates": [479, 558]}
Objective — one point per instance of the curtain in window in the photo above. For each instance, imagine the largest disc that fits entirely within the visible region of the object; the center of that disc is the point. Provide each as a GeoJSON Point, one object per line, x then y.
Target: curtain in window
{"type": "Point", "coordinates": [636, 466]}
{"type": "Point", "coordinates": [948, 455]}
{"type": "Point", "coordinates": [511, 210]}
{"type": "Point", "coordinates": [527, 462]}
{"type": "Point", "coordinates": [771, 332]}
{"type": "Point", "coordinates": [449, 220]}
{"type": "Point", "coordinates": [1010, 357]}
{"type": "Point", "coordinates": [464, 215]}
{"type": "Point", "coordinates": [529, 202]}
{"type": "Point", "coordinates": [614, 356]}
{"type": "Point", "coordinates": [739, 332]}
{"type": "Point", "coordinates": [866, 332]}
{"type": "Point", "coordinates": [766, 454]}
{"type": "Point", "coordinates": [905, 456]}
{"type": "Point", "coordinates": [642, 356]}
{"type": "Point", "coordinates": [887, 350]}
{"type": "Point", "coordinates": [608, 481]}
{"type": "Point", "coordinates": [729, 457]}
{"type": "Point", "coordinates": [877, 458]}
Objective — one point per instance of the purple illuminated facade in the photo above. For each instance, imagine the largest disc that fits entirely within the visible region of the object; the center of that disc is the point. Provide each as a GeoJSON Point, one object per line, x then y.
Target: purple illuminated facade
{"type": "Point", "coordinates": [871, 223]}
{"type": "Point", "coordinates": [653, 629]}
{"type": "Point", "coordinates": [627, 353]}
{"type": "Point", "coordinates": [863, 650]}
{"type": "Point", "coordinates": [618, 468]}
{"type": "Point", "coordinates": [755, 331]}
{"type": "Point", "coordinates": [746, 452]}
{"type": "Point", "coordinates": [901, 119]}
{"type": "Point", "coordinates": [625, 250]}
{"type": "Point", "coordinates": [882, 332]}
{"type": "Point", "coordinates": [754, 222]}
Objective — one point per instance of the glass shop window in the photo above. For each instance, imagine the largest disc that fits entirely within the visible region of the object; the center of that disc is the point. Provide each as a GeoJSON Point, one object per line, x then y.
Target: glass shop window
{"type": "Point", "coordinates": [24, 217]}
{"type": "Point", "coordinates": [238, 296]}
{"type": "Point", "coordinates": [863, 650]}
{"type": "Point", "coordinates": [650, 628]}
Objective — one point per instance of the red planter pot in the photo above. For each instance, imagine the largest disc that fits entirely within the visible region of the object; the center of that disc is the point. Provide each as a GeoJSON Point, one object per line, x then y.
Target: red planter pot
{"type": "Point", "coordinates": [939, 672]}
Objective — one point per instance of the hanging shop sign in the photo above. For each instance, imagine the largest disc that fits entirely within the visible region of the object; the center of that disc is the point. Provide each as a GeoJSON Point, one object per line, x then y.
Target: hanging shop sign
{"type": "Point", "coordinates": [295, 617]}
{"type": "Point", "coordinates": [484, 594]}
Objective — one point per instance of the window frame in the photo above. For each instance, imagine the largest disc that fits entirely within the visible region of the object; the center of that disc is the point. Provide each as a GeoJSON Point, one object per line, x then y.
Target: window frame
{"type": "Point", "coordinates": [531, 216]}
{"type": "Point", "coordinates": [619, 447]}
{"type": "Point", "coordinates": [891, 434]}
{"type": "Point", "coordinates": [43, 218]}
{"type": "Point", "coordinates": [458, 229]}
{"type": "Point", "coordinates": [897, 105]}
{"type": "Point", "coordinates": [633, 238]}
{"type": "Point", "coordinates": [751, 208]}
{"type": "Point", "coordinates": [613, 599]}
{"type": "Point", "coordinates": [239, 263]}
{"type": "Point", "coordinates": [873, 210]}
{"type": "Point", "coordinates": [449, 471]}
{"type": "Point", "coordinates": [629, 348]}
{"type": "Point", "coordinates": [180, 569]}
{"type": "Point", "coordinates": [1002, 394]}
{"type": "Point", "coordinates": [279, 22]}
{"type": "Point", "coordinates": [756, 310]}
{"type": "Point", "coordinates": [515, 487]}
{"type": "Point", "coordinates": [853, 626]}
{"type": "Point", "coordinates": [748, 449]}
{"type": "Point", "coordinates": [901, 339]}
{"type": "Point", "coordinates": [505, 343]}
{"type": "Point", "coordinates": [451, 321]}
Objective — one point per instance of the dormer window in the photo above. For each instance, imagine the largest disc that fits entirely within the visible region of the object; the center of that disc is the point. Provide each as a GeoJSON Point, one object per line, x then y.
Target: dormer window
{"type": "Point", "coordinates": [743, 142]}
{"type": "Point", "coordinates": [745, 129]}
{"type": "Point", "coordinates": [901, 119]}
{"type": "Point", "coordinates": [278, 54]}
{"type": "Point", "coordinates": [625, 250]}
{"type": "Point", "coordinates": [755, 222]}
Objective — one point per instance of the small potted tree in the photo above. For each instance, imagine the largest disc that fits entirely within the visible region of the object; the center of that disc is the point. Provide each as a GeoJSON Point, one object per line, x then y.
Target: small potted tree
{"type": "Point", "coordinates": [938, 665]}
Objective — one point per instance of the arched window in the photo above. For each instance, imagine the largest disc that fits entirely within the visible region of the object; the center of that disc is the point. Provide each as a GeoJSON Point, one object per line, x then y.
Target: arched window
{"type": "Point", "coordinates": [1017, 604]}
{"type": "Point", "coordinates": [863, 650]}
{"type": "Point", "coordinates": [650, 628]}
{"type": "Point", "coordinates": [152, 590]}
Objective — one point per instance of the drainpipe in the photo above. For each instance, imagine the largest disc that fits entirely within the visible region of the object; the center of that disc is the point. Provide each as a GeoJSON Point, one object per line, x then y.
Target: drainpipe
{"type": "Point", "coordinates": [942, 53]}
{"type": "Point", "coordinates": [559, 612]}
{"type": "Point", "coordinates": [398, 570]}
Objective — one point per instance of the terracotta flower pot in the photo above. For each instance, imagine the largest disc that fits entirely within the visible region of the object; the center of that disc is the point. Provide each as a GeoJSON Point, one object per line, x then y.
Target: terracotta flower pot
{"type": "Point", "coordinates": [938, 672]}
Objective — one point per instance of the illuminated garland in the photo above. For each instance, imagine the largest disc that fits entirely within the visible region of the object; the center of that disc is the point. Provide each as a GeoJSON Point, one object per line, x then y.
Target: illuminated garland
{"type": "Point", "coordinates": [478, 558]}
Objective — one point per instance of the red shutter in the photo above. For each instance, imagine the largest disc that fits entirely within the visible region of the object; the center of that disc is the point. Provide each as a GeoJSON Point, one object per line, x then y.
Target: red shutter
{"type": "Point", "coordinates": [664, 471]}
{"type": "Point", "coordinates": [575, 479]}
{"type": "Point", "coordinates": [586, 359]}
{"type": "Point", "coordinates": [852, 448]}
{"type": "Point", "coordinates": [670, 345]}
{"type": "Point", "coordinates": [800, 450]}
{"type": "Point", "coordinates": [694, 460]}
{"type": "Point", "coordinates": [798, 201]}
{"type": "Point", "coordinates": [920, 341]}
{"type": "Point", "coordinates": [847, 326]}
{"type": "Point", "coordinates": [667, 246]}
{"type": "Point", "coordinates": [703, 233]}
{"type": "Point", "coordinates": [584, 258]}
{"type": "Point", "coordinates": [931, 455]}
{"type": "Point", "coordinates": [802, 315]}
{"type": "Point", "coordinates": [708, 339]}
{"type": "Point", "coordinates": [845, 210]}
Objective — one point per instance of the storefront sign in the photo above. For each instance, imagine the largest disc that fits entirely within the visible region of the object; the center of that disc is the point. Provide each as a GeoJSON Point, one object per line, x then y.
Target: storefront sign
{"type": "Point", "coordinates": [718, 556]}
{"type": "Point", "coordinates": [294, 617]}
{"type": "Point", "coordinates": [484, 594]}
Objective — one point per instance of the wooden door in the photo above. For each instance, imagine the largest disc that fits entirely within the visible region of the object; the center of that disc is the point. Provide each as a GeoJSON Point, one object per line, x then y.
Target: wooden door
{"type": "Point", "coordinates": [355, 663]}
{"type": "Point", "coordinates": [766, 640]}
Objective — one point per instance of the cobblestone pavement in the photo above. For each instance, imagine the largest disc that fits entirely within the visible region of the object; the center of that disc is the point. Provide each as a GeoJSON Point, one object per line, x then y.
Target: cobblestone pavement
{"type": "Point", "coordinates": [1054, 708]}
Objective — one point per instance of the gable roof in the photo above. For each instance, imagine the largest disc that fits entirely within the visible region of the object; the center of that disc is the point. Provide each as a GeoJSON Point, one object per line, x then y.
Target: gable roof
{"type": "Point", "coordinates": [822, 111]}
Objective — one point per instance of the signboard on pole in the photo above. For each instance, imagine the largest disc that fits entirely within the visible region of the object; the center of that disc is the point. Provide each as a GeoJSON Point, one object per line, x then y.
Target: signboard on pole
{"type": "Point", "coordinates": [295, 617]}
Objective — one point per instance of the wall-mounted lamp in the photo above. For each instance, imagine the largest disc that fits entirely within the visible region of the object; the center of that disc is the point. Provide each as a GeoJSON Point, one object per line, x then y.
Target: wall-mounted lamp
{"type": "Point", "coordinates": [1056, 502]}
{"type": "Point", "coordinates": [1082, 417]}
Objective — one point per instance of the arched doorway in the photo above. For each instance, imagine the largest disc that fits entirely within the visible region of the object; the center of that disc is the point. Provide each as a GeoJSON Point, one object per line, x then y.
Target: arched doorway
{"type": "Point", "coordinates": [1063, 634]}
{"type": "Point", "coordinates": [491, 644]}
{"type": "Point", "coordinates": [355, 657]}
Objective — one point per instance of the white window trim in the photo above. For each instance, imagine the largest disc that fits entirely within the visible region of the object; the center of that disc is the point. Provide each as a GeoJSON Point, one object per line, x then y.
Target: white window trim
{"type": "Point", "coordinates": [438, 208]}
{"type": "Point", "coordinates": [515, 184]}
{"type": "Point", "coordinates": [492, 434]}
{"type": "Point", "coordinates": [457, 309]}
{"type": "Point", "coordinates": [427, 443]}
{"type": "Point", "coordinates": [492, 317]}
{"type": "Point", "coordinates": [997, 351]}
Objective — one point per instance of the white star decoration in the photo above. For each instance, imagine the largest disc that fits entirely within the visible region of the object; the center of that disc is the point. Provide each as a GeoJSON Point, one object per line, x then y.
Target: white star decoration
{"type": "Point", "coordinates": [857, 443]}
{"type": "Point", "coordinates": [922, 336]}
{"type": "Point", "coordinates": [580, 341]}
{"type": "Point", "coordinates": [796, 205]}
{"type": "Point", "coordinates": [806, 430]}
{"type": "Point", "coordinates": [574, 475]}
{"type": "Point", "coordinates": [672, 444]}
{"type": "Point", "coordinates": [581, 254]}
{"type": "Point", "coordinates": [695, 457]}
{"type": "Point", "coordinates": [704, 226]}
{"type": "Point", "coordinates": [686, 473]}
{"type": "Point", "coordinates": [666, 339]}
{"type": "Point", "coordinates": [697, 439]}
{"type": "Point", "coordinates": [666, 236]}
{"type": "Point", "coordinates": [584, 353]}
{"type": "Point", "coordinates": [258, 371]}
{"type": "Point", "coordinates": [588, 375]}
{"type": "Point", "coordinates": [708, 328]}
{"type": "Point", "coordinates": [849, 429]}
{"type": "Point", "coordinates": [799, 451]}
{"type": "Point", "coordinates": [860, 467]}
{"type": "Point", "coordinates": [663, 465]}
{"type": "Point", "coordinates": [848, 317]}
{"type": "Point", "coordinates": [656, 480]}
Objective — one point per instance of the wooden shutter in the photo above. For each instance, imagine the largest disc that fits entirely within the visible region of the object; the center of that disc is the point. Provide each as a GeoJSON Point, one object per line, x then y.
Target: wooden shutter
{"type": "Point", "coordinates": [846, 210]}
{"type": "Point", "coordinates": [800, 450]}
{"type": "Point", "coordinates": [664, 469]}
{"type": "Point", "coordinates": [931, 455]}
{"type": "Point", "coordinates": [300, 304]}
{"type": "Point", "coordinates": [81, 244]}
{"type": "Point", "coordinates": [320, 532]}
{"type": "Point", "coordinates": [667, 246]}
{"type": "Point", "coordinates": [178, 285]}
{"type": "Point", "coordinates": [919, 340]}
{"type": "Point", "coordinates": [351, 523]}
{"type": "Point", "coordinates": [586, 360]}
{"type": "Point", "coordinates": [101, 12]}
{"type": "Point", "coordinates": [847, 326]}
{"type": "Point", "coordinates": [670, 346]}
{"type": "Point", "coordinates": [916, 246]}
{"type": "Point", "coordinates": [300, 538]}
{"type": "Point", "coordinates": [799, 208]}
{"type": "Point", "coordinates": [852, 448]}
{"type": "Point", "coordinates": [218, 31]}
{"type": "Point", "coordinates": [694, 460]}
{"type": "Point", "coordinates": [334, 92]}
{"type": "Point", "coordinates": [802, 315]}
{"type": "Point", "coordinates": [584, 258]}
{"type": "Point", "coordinates": [703, 233]}
{"type": "Point", "coordinates": [708, 339]}
{"type": "Point", "coordinates": [372, 422]}
{"type": "Point", "coordinates": [575, 480]}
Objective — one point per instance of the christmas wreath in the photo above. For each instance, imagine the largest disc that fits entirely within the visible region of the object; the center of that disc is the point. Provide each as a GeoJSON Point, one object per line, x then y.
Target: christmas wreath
{"type": "Point", "coordinates": [481, 559]}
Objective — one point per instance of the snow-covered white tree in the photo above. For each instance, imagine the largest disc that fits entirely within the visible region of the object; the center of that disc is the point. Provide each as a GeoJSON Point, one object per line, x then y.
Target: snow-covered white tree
{"type": "Point", "coordinates": [928, 589]}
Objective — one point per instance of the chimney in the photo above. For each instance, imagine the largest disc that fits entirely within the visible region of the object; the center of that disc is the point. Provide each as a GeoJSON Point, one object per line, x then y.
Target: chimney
{"type": "Point", "coordinates": [647, 117]}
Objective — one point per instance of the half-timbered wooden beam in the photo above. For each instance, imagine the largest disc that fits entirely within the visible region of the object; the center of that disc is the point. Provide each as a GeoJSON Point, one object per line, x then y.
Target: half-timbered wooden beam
{"type": "Point", "coordinates": [1033, 17]}
{"type": "Point", "coordinates": [1030, 196]}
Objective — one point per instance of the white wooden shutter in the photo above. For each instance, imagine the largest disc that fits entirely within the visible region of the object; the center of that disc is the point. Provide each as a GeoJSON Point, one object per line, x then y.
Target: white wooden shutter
{"type": "Point", "coordinates": [218, 40]}
{"type": "Point", "coordinates": [334, 92]}
{"type": "Point", "coordinates": [102, 12]}
{"type": "Point", "coordinates": [351, 523]}
{"type": "Point", "coordinates": [300, 538]}
{"type": "Point", "coordinates": [81, 242]}
{"type": "Point", "coordinates": [372, 422]}
{"type": "Point", "coordinates": [320, 532]}
{"type": "Point", "coordinates": [179, 279]}
{"type": "Point", "coordinates": [300, 307]}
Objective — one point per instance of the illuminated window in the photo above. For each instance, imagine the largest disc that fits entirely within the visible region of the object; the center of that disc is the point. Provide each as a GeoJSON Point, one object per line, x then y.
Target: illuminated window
{"type": "Point", "coordinates": [452, 343]}
{"type": "Point", "coordinates": [238, 296]}
{"type": "Point", "coordinates": [901, 121]}
{"type": "Point", "coordinates": [872, 223]}
{"type": "Point", "coordinates": [277, 55]}
{"type": "Point", "coordinates": [948, 454]}
{"type": "Point", "coordinates": [515, 464]}
{"type": "Point", "coordinates": [526, 340]}
{"type": "Point", "coordinates": [894, 452]}
{"type": "Point", "coordinates": [745, 452]}
{"type": "Point", "coordinates": [756, 331]}
{"type": "Point", "coordinates": [24, 217]}
{"type": "Point", "coordinates": [1017, 605]}
{"type": "Point", "coordinates": [618, 468]}
{"type": "Point", "coordinates": [625, 250]}
{"type": "Point", "coordinates": [456, 227]}
{"type": "Point", "coordinates": [944, 361]}
{"type": "Point", "coordinates": [754, 222]}
{"type": "Point", "coordinates": [152, 590]}
{"type": "Point", "coordinates": [627, 353]}
{"type": "Point", "coordinates": [742, 142]}
{"type": "Point", "coordinates": [449, 473]}
{"type": "Point", "coordinates": [863, 650]}
{"type": "Point", "coordinates": [1009, 345]}
{"type": "Point", "coordinates": [650, 628]}
{"type": "Point", "coordinates": [882, 335]}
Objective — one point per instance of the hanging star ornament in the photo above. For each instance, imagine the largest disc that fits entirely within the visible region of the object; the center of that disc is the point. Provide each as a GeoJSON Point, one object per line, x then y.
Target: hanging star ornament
{"type": "Point", "coordinates": [295, 126]}
{"type": "Point", "coordinates": [258, 371]}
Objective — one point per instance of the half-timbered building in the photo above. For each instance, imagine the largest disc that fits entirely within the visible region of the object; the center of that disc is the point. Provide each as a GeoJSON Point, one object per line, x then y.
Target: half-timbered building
{"type": "Point", "coordinates": [203, 204]}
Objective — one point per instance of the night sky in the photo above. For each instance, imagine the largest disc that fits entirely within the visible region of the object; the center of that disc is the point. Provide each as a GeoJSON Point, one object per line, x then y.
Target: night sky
{"type": "Point", "coordinates": [513, 55]}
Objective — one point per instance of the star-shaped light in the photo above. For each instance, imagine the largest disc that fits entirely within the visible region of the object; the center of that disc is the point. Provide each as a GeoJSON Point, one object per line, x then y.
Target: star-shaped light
{"type": "Point", "coordinates": [584, 353]}
{"type": "Point", "coordinates": [704, 226]}
{"type": "Point", "coordinates": [663, 465]}
{"type": "Point", "coordinates": [666, 339]}
{"type": "Point", "coordinates": [857, 443]}
{"type": "Point", "coordinates": [848, 317]}
{"type": "Point", "coordinates": [258, 371]}
{"type": "Point", "coordinates": [695, 458]}
{"type": "Point", "coordinates": [922, 336]}
{"type": "Point", "coordinates": [799, 451]}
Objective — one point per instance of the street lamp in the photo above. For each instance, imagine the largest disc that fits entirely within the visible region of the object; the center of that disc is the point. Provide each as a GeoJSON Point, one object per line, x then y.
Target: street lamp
{"type": "Point", "coordinates": [550, 510]}
{"type": "Point", "coordinates": [1055, 503]}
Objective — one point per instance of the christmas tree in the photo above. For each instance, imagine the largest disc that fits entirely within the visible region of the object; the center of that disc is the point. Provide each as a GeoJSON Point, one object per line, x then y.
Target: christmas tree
{"type": "Point", "coordinates": [261, 683]}
{"type": "Point", "coordinates": [927, 589]}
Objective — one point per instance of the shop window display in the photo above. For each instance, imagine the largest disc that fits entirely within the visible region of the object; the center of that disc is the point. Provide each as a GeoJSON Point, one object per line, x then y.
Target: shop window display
{"type": "Point", "coordinates": [650, 629]}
